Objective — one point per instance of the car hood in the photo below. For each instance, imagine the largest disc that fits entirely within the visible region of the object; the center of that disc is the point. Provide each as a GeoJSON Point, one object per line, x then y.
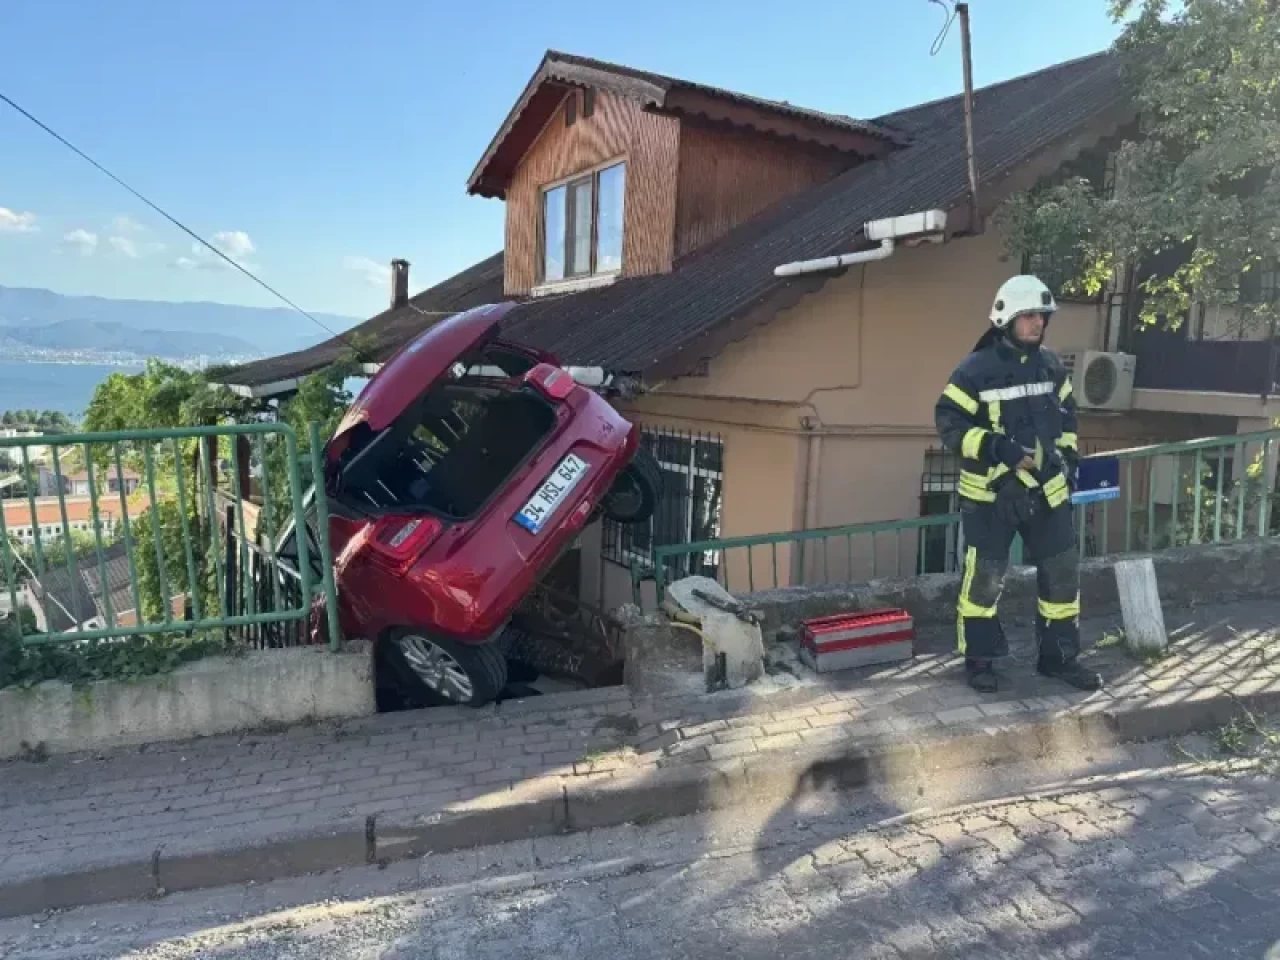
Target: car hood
{"type": "Point", "coordinates": [417, 365]}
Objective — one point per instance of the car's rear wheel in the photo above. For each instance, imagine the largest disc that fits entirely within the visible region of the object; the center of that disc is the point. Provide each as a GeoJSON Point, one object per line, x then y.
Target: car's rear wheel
{"type": "Point", "coordinates": [444, 671]}
{"type": "Point", "coordinates": [636, 491]}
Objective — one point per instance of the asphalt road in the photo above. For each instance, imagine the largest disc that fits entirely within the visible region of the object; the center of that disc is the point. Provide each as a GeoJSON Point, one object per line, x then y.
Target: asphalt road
{"type": "Point", "coordinates": [1124, 855]}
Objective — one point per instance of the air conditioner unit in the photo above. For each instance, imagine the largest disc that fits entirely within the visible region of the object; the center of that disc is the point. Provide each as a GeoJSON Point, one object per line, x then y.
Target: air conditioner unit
{"type": "Point", "coordinates": [1101, 381]}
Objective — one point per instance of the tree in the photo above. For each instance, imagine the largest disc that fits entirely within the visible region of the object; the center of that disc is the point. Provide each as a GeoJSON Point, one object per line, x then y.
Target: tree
{"type": "Point", "coordinates": [1198, 214]}
{"type": "Point", "coordinates": [322, 398]}
{"type": "Point", "coordinates": [161, 396]}
{"type": "Point", "coordinates": [176, 574]}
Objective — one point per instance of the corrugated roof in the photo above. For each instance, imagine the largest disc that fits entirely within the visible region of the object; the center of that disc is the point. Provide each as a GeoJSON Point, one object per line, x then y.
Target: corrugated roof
{"type": "Point", "coordinates": [478, 284]}
{"type": "Point", "coordinates": [62, 601]}
{"type": "Point", "coordinates": [573, 68]}
{"type": "Point", "coordinates": [639, 324]}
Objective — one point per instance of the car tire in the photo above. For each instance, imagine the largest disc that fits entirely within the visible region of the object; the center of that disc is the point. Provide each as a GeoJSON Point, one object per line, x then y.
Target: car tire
{"type": "Point", "coordinates": [442, 672]}
{"type": "Point", "coordinates": [635, 493]}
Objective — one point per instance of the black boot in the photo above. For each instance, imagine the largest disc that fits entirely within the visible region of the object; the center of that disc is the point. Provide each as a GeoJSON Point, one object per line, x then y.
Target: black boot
{"type": "Point", "coordinates": [982, 676]}
{"type": "Point", "coordinates": [1070, 673]}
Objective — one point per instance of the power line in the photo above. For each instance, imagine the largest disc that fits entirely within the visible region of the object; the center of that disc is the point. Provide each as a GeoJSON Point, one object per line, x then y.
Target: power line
{"type": "Point", "coordinates": [177, 223]}
{"type": "Point", "coordinates": [946, 27]}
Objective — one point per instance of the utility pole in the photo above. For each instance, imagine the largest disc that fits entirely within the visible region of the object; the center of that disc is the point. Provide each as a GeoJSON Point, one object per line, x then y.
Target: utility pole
{"type": "Point", "coordinates": [975, 212]}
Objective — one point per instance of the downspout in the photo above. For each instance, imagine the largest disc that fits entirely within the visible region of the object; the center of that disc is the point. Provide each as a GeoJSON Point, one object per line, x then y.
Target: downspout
{"type": "Point", "coordinates": [813, 473]}
{"type": "Point", "coordinates": [809, 503]}
{"type": "Point", "coordinates": [882, 252]}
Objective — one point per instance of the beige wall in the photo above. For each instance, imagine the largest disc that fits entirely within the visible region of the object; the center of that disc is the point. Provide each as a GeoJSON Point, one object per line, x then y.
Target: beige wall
{"type": "Point", "coordinates": [1077, 326]}
{"type": "Point", "coordinates": [874, 347]}
{"type": "Point", "coordinates": [826, 411]}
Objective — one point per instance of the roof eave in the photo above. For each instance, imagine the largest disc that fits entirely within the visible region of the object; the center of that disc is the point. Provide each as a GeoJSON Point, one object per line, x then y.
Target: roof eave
{"type": "Point", "coordinates": [787, 293]}
{"type": "Point", "coordinates": [560, 71]}
{"type": "Point", "coordinates": [672, 97]}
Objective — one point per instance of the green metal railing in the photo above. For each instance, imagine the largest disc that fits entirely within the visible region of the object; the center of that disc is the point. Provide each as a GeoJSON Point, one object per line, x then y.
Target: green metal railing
{"type": "Point", "coordinates": [151, 538]}
{"type": "Point", "coordinates": [1172, 494]}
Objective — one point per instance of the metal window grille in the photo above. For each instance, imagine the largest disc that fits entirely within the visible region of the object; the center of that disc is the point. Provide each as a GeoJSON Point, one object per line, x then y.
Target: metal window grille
{"type": "Point", "coordinates": [692, 467]}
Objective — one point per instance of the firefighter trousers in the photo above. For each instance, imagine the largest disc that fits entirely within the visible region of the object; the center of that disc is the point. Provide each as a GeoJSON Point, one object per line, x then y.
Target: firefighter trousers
{"type": "Point", "coordinates": [1049, 537]}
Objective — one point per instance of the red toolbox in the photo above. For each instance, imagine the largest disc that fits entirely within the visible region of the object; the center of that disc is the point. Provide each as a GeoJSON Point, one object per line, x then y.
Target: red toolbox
{"type": "Point", "coordinates": [858, 639]}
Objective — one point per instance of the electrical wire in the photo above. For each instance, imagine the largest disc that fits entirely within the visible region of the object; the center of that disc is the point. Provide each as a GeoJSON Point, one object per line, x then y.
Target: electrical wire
{"type": "Point", "coordinates": [204, 243]}
{"type": "Point", "coordinates": [946, 27]}
{"type": "Point", "coordinates": [176, 222]}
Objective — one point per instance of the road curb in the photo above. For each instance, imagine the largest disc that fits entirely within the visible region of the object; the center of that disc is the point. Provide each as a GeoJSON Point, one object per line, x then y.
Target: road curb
{"type": "Point", "coordinates": [636, 797]}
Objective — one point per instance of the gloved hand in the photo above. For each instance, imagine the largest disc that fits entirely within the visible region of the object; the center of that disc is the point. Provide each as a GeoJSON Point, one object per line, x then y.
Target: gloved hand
{"type": "Point", "coordinates": [1007, 451]}
{"type": "Point", "coordinates": [1015, 504]}
{"type": "Point", "coordinates": [1068, 461]}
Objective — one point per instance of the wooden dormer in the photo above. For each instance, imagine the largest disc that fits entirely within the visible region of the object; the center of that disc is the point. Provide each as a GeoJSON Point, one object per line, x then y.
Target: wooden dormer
{"type": "Point", "coordinates": [618, 172]}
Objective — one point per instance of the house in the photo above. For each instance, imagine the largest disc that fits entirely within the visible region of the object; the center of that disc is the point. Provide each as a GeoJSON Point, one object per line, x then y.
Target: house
{"type": "Point", "coordinates": [645, 220]}
{"type": "Point", "coordinates": [110, 481]}
{"type": "Point", "coordinates": [18, 523]}
{"type": "Point", "coordinates": [80, 599]}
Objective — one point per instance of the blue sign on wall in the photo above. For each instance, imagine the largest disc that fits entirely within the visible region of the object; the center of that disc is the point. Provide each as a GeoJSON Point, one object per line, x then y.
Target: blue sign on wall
{"type": "Point", "coordinates": [1098, 479]}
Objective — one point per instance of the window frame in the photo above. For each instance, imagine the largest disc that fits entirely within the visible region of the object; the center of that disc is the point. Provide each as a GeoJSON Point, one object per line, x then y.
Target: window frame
{"type": "Point", "coordinates": [590, 175]}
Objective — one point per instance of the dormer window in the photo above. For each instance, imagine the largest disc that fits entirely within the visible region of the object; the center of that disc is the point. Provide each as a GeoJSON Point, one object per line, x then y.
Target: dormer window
{"type": "Point", "coordinates": [582, 225]}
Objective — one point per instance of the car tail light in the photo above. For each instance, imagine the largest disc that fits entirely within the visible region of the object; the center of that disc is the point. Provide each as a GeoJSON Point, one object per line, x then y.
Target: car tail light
{"type": "Point", "coordinates": [551, 380]}
{"type": "Point", "coordinates": [398, 541]}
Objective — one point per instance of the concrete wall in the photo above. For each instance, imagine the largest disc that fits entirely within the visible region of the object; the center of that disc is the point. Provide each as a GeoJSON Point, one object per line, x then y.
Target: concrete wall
{"type": "Point", "coordinates": [217, 695]}
{"type": "Point", "coordinates": [1187, 576]}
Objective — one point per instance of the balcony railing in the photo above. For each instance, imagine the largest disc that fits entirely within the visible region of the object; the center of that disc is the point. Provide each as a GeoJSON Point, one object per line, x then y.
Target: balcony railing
{"type": "Point", "coordinates": [1167, 362]}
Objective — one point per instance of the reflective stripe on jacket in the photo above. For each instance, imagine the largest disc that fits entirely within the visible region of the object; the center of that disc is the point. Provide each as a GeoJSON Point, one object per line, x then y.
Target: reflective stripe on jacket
{"type": "Point", "coordinates": [1025, 395]}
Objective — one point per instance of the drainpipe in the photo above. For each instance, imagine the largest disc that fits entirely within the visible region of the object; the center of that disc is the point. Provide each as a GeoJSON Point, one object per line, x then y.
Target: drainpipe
{"type": "Point", "coordinates": [925, 225]}
{"type": "Point", "coordinates": [812, 475]}
{"type": "Point", "coordinates": [882, 252]}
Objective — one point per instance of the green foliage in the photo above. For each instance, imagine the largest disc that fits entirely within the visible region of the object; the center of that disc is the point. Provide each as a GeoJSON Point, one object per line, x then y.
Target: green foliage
{"type": "Point", "coordinates": [322, 398]}
{"type": "Point", "coordinates": [176, 575]}
{"type": "Point", "coordinates": [1198, 202]}
{"type": "Point", "coordinates": [84, 661]}
{"type": "Point", "coordinates": [46, 421]}
{"type": "Point", "coordinates": [161, 396]}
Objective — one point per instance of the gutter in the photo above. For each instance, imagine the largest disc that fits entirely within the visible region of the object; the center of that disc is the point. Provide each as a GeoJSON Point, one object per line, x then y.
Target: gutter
{"type": "Point", "coordinates": [594, 378]}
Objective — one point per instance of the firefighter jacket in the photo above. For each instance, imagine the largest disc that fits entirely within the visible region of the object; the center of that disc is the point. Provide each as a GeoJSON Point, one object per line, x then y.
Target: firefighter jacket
{"type": "Point", "coordinates": [1001, 390]}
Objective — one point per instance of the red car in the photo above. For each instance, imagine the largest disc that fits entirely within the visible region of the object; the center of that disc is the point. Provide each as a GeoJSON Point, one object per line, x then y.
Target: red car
{"type": "Point", "coordinates": [463, 471]}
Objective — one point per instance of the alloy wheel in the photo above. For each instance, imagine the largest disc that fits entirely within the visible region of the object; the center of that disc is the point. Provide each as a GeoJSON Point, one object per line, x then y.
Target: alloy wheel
{"type": "Point", "coordinates": [436, 668]}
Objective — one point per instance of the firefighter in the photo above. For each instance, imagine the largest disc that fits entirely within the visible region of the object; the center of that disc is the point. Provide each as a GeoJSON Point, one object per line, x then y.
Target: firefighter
{"type": "Point", "coordinates": [1008, 413]}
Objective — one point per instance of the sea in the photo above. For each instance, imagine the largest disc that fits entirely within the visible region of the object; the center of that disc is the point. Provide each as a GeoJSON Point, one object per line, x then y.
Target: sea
{"type": "Point", "coordinates": [66, 387]}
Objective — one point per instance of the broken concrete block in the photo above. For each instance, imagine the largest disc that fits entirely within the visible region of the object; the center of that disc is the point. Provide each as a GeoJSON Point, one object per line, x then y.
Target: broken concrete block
{"type": "Point", "coordinates": [661, 658]}
{"type": "Point", "coordinates": [732, 648]}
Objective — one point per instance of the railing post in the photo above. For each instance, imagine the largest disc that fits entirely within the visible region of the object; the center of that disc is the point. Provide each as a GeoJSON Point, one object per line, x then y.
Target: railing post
{"type": "Point", "coordinates": [326, 549]}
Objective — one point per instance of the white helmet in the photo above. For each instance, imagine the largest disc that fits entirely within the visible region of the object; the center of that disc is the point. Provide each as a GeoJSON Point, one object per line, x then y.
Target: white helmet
{"type": "Point", "coordinates": [1019, 295]}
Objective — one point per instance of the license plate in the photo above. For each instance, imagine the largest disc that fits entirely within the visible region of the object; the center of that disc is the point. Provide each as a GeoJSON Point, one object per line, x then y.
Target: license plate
{"type": "Point", "coordinates": [553, 492]}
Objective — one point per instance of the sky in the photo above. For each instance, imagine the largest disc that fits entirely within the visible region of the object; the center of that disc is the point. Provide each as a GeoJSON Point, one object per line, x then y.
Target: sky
{"type": "Point", "coordinates": [315, 140]}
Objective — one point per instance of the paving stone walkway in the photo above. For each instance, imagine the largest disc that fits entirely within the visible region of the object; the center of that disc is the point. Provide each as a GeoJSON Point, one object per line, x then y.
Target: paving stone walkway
{"type": "Point", "coordinates": [1144, 861]}
{"type": "Point", "coordinates": [82, 811]}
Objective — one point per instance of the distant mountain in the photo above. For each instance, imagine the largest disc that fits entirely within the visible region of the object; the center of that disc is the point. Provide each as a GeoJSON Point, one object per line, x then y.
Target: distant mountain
{"type": "Point", "coordinates": [104, 336]}
{"type": "Point", "coordinates": [255, 330]}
